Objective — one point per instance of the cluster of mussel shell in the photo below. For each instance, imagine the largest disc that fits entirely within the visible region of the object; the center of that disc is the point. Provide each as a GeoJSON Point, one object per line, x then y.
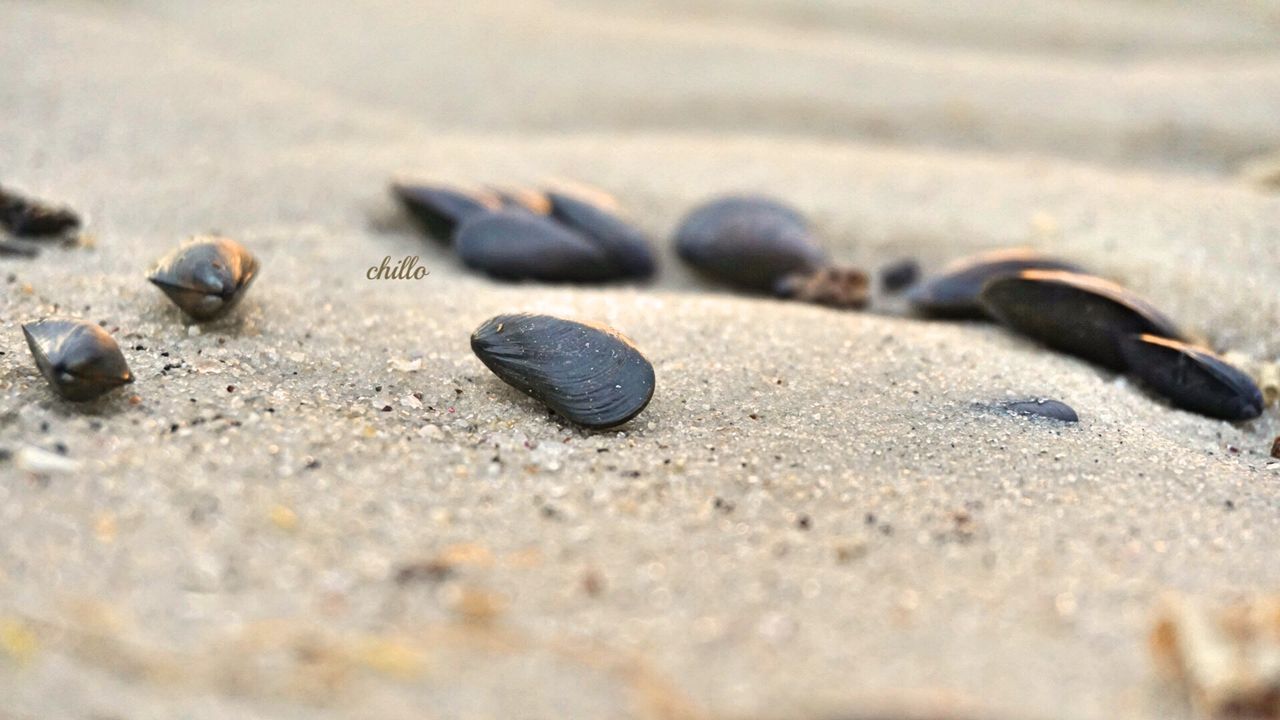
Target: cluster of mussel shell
{"type": "Point", "coordinates": [205, 277]}
{"type": "Point", "coordinates": [759, 244]}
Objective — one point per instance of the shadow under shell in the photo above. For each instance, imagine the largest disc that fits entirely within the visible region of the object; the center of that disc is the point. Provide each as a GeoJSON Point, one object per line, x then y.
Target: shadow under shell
{"type": "Point", "coordinates": [590, 375]}
{"type": "Point", "coordinates": [1192, 378]}
{"type": "Point", "coordinates": [1077, 314]}
{"type": "Point", "coordinates": [80, 360]}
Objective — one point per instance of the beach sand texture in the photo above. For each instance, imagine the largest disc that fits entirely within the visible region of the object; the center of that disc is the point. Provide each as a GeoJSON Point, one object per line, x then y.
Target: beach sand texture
{"type": "Point", "coordinates": [326, 507]}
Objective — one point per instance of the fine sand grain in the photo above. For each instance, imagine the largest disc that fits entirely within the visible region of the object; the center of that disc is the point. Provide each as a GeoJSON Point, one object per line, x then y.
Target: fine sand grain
{"type": "Point", "coordinates": [325, 506]}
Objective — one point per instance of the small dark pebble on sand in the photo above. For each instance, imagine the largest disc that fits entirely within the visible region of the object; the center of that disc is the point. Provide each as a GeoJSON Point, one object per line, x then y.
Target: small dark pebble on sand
{"type": "Point", "coordinates": [900, 275]}
{"type": "Point", "coordinates": [1052, 409]}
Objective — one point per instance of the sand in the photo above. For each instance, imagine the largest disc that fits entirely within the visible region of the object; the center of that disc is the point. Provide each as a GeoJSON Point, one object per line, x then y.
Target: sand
{"type": "Point", "coordinates": [325, 506]}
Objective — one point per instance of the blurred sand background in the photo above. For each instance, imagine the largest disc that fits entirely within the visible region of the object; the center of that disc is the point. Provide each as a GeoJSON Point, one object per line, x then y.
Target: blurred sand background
{"type": "Point", "coordinates": [815, 517]}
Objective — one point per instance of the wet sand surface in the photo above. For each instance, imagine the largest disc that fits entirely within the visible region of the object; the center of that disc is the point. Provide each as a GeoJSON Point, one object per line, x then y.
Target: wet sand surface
{"type": "Point", "coordinates": [326, 507]}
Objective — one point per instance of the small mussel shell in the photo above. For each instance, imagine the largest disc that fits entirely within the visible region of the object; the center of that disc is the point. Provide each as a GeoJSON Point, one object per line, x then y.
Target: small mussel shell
{"type": "Point", "coordinates": [590, 375]}
{"type": "Point", "coordinates": [518, 245]}
{"type": "Point", "coordinates": [1078, 314]}
{"type": "Point", "coordinates": [837, 287]}
{"type": "Point", "coordinates": [1192, 378]}
{"type": "Point", "coordinates": [27, 217]}
{"type": "Point", "coordinates": [629, 249]}
{"type": "Point", "coordinates": [749, 242]}
{"type": "Point", "coordinates": [439, 210]}
{"type": "Point", "coordinates": [1051, 409]}
{"type": "Point", "coordinates": [954, 292]}
{"type": "Point", "coordinates": [79, 359]}
{"type": "Point", "coordinates": [206, 277]}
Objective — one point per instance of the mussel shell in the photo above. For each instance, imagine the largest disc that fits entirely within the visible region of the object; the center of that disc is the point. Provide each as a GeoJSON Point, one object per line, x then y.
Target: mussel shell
{"type": "Point", "coordinates": [748, 242]}
{"type": "Point", "coordinates": [27, 217]}
{"type": "Point", "coordinates": [629, 249]}
{"type": "Point", "coordinates": [1051, 409]}
{"type": "Point", "coordinates": [954, 292]}
{"type": "Point", "coordinates": [1192, 378]}
{"type": "Point", "coordinates": [1078, 314]}
{"type": "Point", "coordinates": [439, 210]}
{"type": "Point", "coordinates": [518, 245]}
{"type": "Point", "coordinates": [590, 375]}
{"type": "Point", "coordinates": [206, 277]}
{"type": "Point", "coordinates": [80, 360]}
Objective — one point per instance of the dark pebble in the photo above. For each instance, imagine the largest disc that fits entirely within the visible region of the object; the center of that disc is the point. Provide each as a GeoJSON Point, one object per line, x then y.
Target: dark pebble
{"type": "Point", "coordinates": [1051, 409]}
{"type": "Point", "coordinates": [900, 275]}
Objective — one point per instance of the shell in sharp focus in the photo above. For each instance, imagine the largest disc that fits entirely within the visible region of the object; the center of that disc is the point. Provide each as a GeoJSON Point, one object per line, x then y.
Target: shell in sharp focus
{"type": "Point", "coordinates": [1077, 314]}
{"type": "Point", "coordinates": [747, 241]}
{"type": "Point", "coordinates": [1051, 409]}
{"type": "Point", "coordinates": [1192, 378]}
{"type": "Point", "coordinates": [630, 250]}
{"type": "Point", "coordinates": [28, 217]}
{"type": "Point", "coordinates": [953, 293]}
{"type": "Point", "coordinates": [590, 375]}
{"type": "Point", "coordinates": [79, 359]}
{"type": "Point", "coordinates": [518, 245]}
{"type": "Point", "coordinates": [206, 277]}
{"type": "Point", "coordinates": [440, 210]}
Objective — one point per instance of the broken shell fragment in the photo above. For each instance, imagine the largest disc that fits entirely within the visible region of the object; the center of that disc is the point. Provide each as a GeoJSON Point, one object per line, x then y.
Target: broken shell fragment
{"type": "Point", "coordinates": [954, 292]}
{"type": "Point", "coordinates": [206, 277]}
{"type": "Point", "coordinates": [439, 210]}
{"type": "Point", "coordinates": [590, 375]}
{"type": "Point", "coordinates": [629, 249]}
{"type": "Point", "coordinates": [845, 288]}
{"type": "Point", "coordinates": [1051, 409]}
{"type": "Point", "coordinates": [28, 217]}
{"type": "Point", "coordinates": [1077, 314]}
{"type": "Point", "coordinates": [1192, 378]}
{"type": "Point", "coordinates": [748, 241]}
{"type": "Point", "coordinates": [80, 360]}
{"type": "Point", "coordinates": [517, 245]}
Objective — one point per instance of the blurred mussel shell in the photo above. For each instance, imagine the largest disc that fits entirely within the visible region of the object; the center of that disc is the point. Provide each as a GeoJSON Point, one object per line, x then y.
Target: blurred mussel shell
{"type": "Point", "coordinates": [588, 374]}
{"type": "Point", "coordinates": [954, 292]}
{"type": "Point", "coordinates": [439, 209]}
{"type": "Point", "coordinates": [80, 360]}
{"type": "Point", "coordinates": [206, 277]}
{"type": "Point", "coordinates": [1081, 315]}
{"type": "Point", "coordinates": [1192, 378]}
{"type": "Point", "coordinates": [518, 245]}
{"type": "Point", "coordinates": [624, 243]}
{"type": "Point", "coordinates": [749, 242]}
{"type": "Point", "coordinates": [27, 217]}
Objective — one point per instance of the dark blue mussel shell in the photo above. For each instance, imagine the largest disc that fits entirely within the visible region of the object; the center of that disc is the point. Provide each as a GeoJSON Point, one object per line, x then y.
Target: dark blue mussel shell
{"type": "Point", "coordinates": [1077, 314]}
{"type": "Point", "coordinates": [28, 217]}
{"type": "Point", "coordinates": [590, 375]}
{"type": "Point", "coordinates": [519, 245]}
{"type": "Point", "coordinates": [1192, 378]}
{"type": "Point", "coordinates": [439, 210]}
{"type": "Point", "coordinates": [749, 242]}
{"type": "Point", "coordinates": [624, 243]}
{"type": "Point", "coordinates": [206, 277]}
{"type": "Point", "coordinates": [79, 359]}
{"type": "Point", "coordinates": [954, 292]}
